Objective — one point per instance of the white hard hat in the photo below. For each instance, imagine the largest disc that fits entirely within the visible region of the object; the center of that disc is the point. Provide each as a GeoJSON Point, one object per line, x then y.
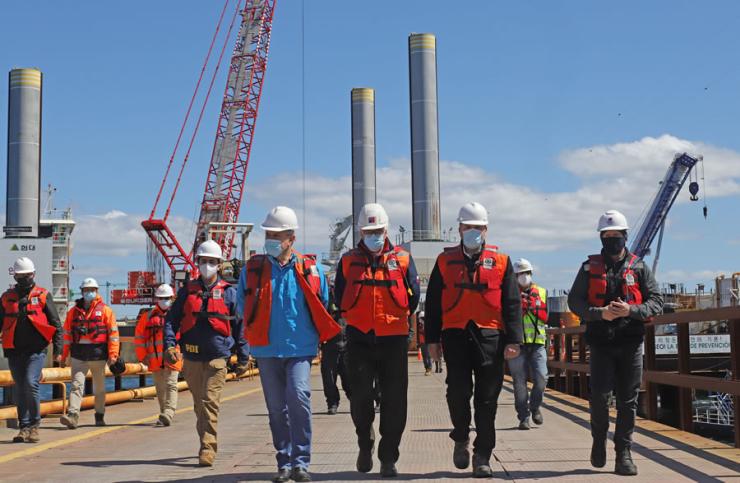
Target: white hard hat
{"type": "Point", "coordinates": [372, 217]}
{"type": "Point", "coordinates": [23, 265]}
{"type": "Point", "coordinates": [612, 220]}
{"type": "Point", "coordinates": [209, 248]}
{"type": "Point", "coordinates": [89, 283]}
{"type": "Point", "coordinates": [164, 291]}
{"type": "Point", "coordinates": [522, 265]}
{"type": "Point", "coordinates": [473, 213]}
{"type": "Point", "coordinates": [280, 218]}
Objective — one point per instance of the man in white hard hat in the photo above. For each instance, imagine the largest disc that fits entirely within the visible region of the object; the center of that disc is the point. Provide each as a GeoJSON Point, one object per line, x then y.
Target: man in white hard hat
{"type": "Point", "coordinates": [91, 339]}
{"type": "Point", "coordinates": [377, 289]}
{"type": "Point", "coordinates": [149, 343]}
{"type": "Point", "coordinates": [29, 323]}
{"type": "Point", "coordinates": [204, 313]}
{"type": "Point", "coordinates": [533, 356]}
{"type": "Point", "coordinates": [284, 297]}
{"type": "Point", "coordinates": [473, 307]}
{"type": "Point", "coordinates": [614, 293]}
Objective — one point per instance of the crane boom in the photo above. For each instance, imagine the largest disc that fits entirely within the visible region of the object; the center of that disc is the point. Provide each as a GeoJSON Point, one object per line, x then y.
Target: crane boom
{"type": "Point", "coordinates": [677, 174]}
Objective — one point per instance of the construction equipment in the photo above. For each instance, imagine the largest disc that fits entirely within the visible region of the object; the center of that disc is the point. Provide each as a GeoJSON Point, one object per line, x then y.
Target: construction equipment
{"type": "Point", "coordinates": [338, 235]}
{"type": "Point", "coordinates": [224, 187]}
{"type": "Point", "coordinates": [678, 172]}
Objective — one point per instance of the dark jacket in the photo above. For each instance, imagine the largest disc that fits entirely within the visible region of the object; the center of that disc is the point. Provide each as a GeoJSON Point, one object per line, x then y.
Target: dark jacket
{"type": "Point", "coordinates": [27, 339]}
{"type": "Point", "coordinates": [202, 343]}
{"type": "Point", "coordinates": [620, 331]}
{"type": "Point", "coordinates": [511, 304]}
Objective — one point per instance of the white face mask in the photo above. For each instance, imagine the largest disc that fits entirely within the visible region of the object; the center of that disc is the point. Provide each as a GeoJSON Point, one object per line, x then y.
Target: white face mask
{"type": "Point", "coordinates": [524, 279]}
{"type": "Point", "coordinates": [207, 271]}
{"type": "Point", "coordinates": [164, 304]}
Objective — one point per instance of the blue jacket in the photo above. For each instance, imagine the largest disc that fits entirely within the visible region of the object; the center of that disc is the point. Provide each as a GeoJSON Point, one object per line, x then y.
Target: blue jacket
{"type": "Point", "coordinates": [210, 344]}
{"type": "Point", "coordinates": [292, 333]}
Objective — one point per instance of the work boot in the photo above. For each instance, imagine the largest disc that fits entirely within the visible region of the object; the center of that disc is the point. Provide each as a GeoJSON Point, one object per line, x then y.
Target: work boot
{"type": "Point", "coordinates": [481, 466]}
{"type": "Point", "coordinates": [598, 453]}
{"type": "Point", "coordinates": [332, 409]}
{"type": "Point", "coordinates": [33, 434]}
{"type": "Point", "coordinates": [524, 424]}
{"type": "Point", "coordinates": [388, 470]}
{"type": "Point", "coordinates": [428, 371]}
{"type": "Point", "coordinates": [300, 474]}
{"type": "Point", "coordinates": [21, 436]}
{"type": "Point", "coordinates": [206, 457]}
{"type": "Point", "coordinates": [71, 420]}
{"type": "Point", "coordinates": [165, 419]}
{"type": "Point", "coordinates": [283, 474]}
{"type": "Point", "coordinates": [537, 417]}
{"type": "Point", "coordinates": [624, 465]}
{"type": "Point", "coordinates": [365, 460]}
{"type": "Point", "coordinates": [99, 421]}
{"type": "Point", "coordinates": [461, 454]}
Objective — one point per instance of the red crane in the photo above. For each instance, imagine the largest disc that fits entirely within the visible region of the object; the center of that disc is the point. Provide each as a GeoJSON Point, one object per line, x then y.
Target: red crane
{"type": "Point", "coordinates": [234, 137]}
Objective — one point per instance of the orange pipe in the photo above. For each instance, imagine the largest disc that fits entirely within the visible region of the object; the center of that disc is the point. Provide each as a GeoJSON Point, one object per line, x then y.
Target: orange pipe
{"type": "Point", "coordinates": [58, 374]}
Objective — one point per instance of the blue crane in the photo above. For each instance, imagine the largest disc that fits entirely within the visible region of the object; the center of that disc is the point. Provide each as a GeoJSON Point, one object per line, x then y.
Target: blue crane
{"type": "Point", "coordinates": [679, 171]}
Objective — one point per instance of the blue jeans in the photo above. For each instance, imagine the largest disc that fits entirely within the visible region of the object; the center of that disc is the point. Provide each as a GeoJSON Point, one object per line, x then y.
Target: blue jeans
{"type": "Point", "coordinates": [287, 388]}
{"type": "Point", "coordinates": [26, 372]}
{"type": "Point", "coordinates": [532, 359]}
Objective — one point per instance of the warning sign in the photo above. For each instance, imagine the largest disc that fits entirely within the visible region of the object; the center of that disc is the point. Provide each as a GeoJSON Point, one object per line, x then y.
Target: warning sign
{"type": "Point", "coordinates": [699, 344]}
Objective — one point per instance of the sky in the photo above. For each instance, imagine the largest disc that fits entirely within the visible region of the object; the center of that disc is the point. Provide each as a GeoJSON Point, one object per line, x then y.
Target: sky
{"type": "Point", "coordinates": [549, 114]}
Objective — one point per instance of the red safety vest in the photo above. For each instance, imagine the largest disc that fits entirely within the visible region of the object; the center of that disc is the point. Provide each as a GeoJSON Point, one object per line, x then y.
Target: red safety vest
{"type": "Point", "coordinates": [533, 304]}
{"type": "Point", "coordinates": [216, 310]}
{"type": "Point", "coordinates": [92, 329]}
{"type": "Point", "coordinates": [258, 302]}
{"type": "Point", "coordinates": [597, 281]}
{"type": "Point", "coordinates": [477, 299]}
{"type": "Point", "coordinates": [376, 299]}
{"type": "Point", "coordinates": [34, 312]}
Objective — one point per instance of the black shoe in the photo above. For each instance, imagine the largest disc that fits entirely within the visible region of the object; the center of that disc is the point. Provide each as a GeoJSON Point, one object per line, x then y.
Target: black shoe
{"type": "Point", "coordinates": [365, 460]}
{"type": "Point", "coordinates": [524, 424]}
{"type": "Point", "coordinates": [598, 453]}
{"type": "Point", "coordinates": [624, 465]}
{"type": "Point", "coordinates": [282, 475]}
{"type": "Point", "coordinates": [461, 454]}
{"type": "Point", "coordinates": [332, 410]}
{"type": "Point", "coordinates": [537, 417]}
{"type": "Point", "coordinates": [481, 467]}
{"type": "Point", "coordinates": [300, 474]}
{"type": "Point", "coordinates": [388, 470]}
{"type": "Point", "coordinates": [99, 421]}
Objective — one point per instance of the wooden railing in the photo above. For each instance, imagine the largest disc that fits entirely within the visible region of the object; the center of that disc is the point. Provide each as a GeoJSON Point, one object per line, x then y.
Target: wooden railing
{"type": "Point", "coordinates": [569, 361]}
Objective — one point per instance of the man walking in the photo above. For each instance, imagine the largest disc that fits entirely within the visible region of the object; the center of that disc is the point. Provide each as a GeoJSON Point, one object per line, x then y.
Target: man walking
{"type": "Point", "coordinates": [421, 342]}
{"type": "Point", "coordinates": [615, 293]}
{"type": "Point", "coordinates": [533, 355]}
{"type": "Point", "coordinates": [473, 306]}
{"type": "Point", "coordinates": [333, 363]}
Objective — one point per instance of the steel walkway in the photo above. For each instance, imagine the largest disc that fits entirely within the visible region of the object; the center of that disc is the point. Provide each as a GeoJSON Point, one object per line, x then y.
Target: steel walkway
{"type": "Point", "coordinates": [132, 449]}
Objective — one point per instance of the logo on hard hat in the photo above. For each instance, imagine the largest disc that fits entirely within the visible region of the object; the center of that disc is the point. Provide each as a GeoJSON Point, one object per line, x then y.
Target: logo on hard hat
{"type": "Point", "coordinates": [371, 219]}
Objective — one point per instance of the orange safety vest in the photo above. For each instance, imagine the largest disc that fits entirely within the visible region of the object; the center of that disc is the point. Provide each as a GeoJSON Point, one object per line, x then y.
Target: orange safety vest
{"type": "Point", "coordinates": [258, 303]}
{"type": "Point", "coordinates": [477, 299]}
{"type": "Point", "coordinates": [34, 311]}
{"type": "Point", "coordinates": [597, 281]}
{"type": "Point", "coordinates": [215, 309]}
{"type": "Point", "coordinates": [376, 299]}
{"type": "Point", "coordinates": [90, 327]}
{"type": "Point", "coordinates": [149, 341]}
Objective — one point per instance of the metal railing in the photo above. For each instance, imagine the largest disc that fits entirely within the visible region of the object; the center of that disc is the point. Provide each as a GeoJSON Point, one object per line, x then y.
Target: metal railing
{"type": "Point", "coordinates": [570, 362]}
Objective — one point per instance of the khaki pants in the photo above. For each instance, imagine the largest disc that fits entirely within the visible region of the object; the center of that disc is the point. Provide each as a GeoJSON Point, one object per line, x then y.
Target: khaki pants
{"type": "Point", "coordinates": [165, 380]}
{"type": "Point", "coordinates": [206, 382]}
{"type": "Point", "coordinates": [79, 372]}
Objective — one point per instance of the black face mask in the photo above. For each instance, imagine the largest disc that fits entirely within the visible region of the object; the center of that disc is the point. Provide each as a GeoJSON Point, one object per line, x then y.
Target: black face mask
{"type": "Point", "coordinates": [613, 245]}
{"type": "Point", "coordinates": [24, 282]}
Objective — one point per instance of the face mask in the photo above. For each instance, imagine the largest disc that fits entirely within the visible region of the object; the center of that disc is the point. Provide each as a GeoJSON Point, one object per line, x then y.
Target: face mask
{"type": "Point", "coordinates": [207, 271]}
{"type": "Point", "coordinates": [613, 245]}
{"type": "Point", "coordinates": [89, 296]}
{"type": "Point", "coordinates": [373, 242]}
{"type": "Point", "coordinates": [273, 247]}
{"type": "Point", "coordinates": [472, 239]}
{"type": "Point", "coordinates": [24, 282]}
{"type": "Point", "coordinates": [164, 304]}
{"type": "Point", "coordinates": [524, 279]}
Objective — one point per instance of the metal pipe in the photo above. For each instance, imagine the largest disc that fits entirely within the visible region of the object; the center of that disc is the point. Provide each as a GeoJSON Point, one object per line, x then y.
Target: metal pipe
{"type": "Point", "coordinates": [59, 374]}
{"type": "Point", "coordinates": [363, 153]}
{"type": "Point", "coordinates": [424, 137]}
{"type": "Point", "coordinates": [24, 153]}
